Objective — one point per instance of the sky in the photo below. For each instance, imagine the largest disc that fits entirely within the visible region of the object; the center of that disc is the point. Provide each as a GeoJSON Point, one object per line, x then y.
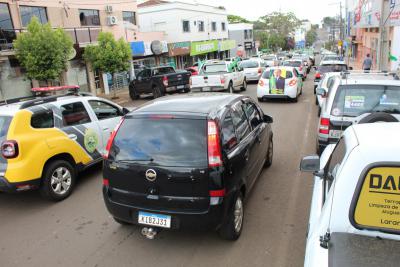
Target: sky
{"type": "Point", "coordinates": [313, 10]}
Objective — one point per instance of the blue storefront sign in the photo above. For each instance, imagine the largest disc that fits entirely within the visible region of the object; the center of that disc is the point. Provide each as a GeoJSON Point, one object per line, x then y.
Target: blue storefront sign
{"type": "Point", "coordinates": [137, 48]}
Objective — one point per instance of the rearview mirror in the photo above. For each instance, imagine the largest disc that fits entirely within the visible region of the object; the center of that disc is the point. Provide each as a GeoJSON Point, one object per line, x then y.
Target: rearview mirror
{"type": "Point", "coordinates": [310, 164]}
{"type": "Point", "coordinates": [321, 92]}
{"type": "Point", "coordinates": [268, 119]}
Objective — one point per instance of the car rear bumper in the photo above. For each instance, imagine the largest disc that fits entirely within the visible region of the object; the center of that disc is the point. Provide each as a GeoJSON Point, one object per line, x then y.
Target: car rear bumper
{"type": "Point", "coordinates": [206, 220]}
{"type": "Point", "coordinates": [250, 77]}
{"type": "Point", "coordinates": [6, 186]}
{"type": "Point", "coordinates": [208, 89]}
{"type": "Point", "coordinates": [177, 88]}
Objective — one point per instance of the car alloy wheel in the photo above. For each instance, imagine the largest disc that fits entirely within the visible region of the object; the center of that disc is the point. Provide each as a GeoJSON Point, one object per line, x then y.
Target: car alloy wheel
{"type": "Point", "coordinates": [238, 215]}
{"type": "Point", "coordinates": [61, 180]}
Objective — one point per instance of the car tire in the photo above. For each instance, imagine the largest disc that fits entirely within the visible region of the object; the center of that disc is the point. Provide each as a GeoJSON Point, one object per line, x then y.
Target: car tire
{"type": "Point", "coordinates": [244, 85]}
{"type": "Point", "coordinates": [121, 222]}
{"type": "Point", "coordinates": [319, 111]}
{"type": "Point", "coordinates": [378, 117]}
{"type": "Point", "coordinates": [233, 225]}
{"type": "Point", "coordinates": [316, 101]}
{"type": "Point", "coordinates": [296, 99]}
{"type": "Point", "coordinates": [270, 154]}
{"type": "Point", "coordinates": [156, 92]}
{"type": "Point", "coordinates": [301, 91]}
{"type": "Point", "coordinates": [133, 94]}
{"type": "Point", "coordinates": [230, 88]}
{"type": "Point", "coordinates": [58, 180]}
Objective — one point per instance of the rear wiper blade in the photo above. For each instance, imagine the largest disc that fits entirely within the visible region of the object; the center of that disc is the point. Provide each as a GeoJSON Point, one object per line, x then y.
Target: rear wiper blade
{"type": "Point", "coordinates": [135, 160]}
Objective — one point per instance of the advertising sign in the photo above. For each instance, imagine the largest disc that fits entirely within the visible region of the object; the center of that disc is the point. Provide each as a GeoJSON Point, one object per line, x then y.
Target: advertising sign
{"type": "Point", "coordinates": [248, 45]}
{"type": "Point", "coordinates": [227, 45]}
{"type": "Point", "coordinates": [378, 203]}
{"type": "Point", "coordinates": [368, 13]}
{"type": "Point", "coordinates": [277, 79]}
{"type": "Point", "coordinates": [199, 48]}
{"type": "Point", "coordinates": [179, 49]}
{"type": "Point", "coordinates": [137, 48]}
{"type": "Point", "coordinates": [159, 46]}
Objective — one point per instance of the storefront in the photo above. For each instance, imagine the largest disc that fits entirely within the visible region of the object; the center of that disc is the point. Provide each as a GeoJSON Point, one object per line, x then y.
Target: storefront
{"type": "Point", "coordinates": [224, 48]}
{"type": "Point", "coordinates": [204, 50]}
{"type": "Point", "coordinates": [180, 54]}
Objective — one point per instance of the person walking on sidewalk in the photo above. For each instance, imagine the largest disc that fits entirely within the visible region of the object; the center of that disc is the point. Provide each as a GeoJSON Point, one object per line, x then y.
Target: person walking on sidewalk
{"type": "Point", "coordinates": [367, 64]}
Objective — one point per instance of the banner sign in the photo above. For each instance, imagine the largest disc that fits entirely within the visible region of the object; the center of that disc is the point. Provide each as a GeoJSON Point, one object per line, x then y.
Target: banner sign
{"type": "Point", "coordinates": [199, 48]}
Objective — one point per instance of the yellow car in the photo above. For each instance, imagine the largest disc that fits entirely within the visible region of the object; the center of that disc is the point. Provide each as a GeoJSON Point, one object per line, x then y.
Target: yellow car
{"type": "Point", "coordinates": [46, 141]}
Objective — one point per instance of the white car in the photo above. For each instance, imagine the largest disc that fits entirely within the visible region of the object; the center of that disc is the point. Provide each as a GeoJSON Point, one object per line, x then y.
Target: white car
{"type": "Point", "coordinates": [271, 60]}
{"type": "Point", "coordinates": [325, 84]}
{"type": "Point", "coordinates": [253, 68]}
{"type": "Point", "coordinates": [354, 214]}
{"type": "Point", "coordinates": [218, 76]}
{"type": "Point", "coordinates": [298, 64]}
{"type": "Point", "coordinates": [289, 85]}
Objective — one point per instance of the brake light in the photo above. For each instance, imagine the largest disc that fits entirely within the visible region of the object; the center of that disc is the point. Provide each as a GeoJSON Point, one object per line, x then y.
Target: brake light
{"type": "Point", "coordinates": [292, 82]}
{"type": "Point", "coordinates": [111, 139]}
{"type": "Point", "coordinates": [222, 78]}
{"type": "Point", "coordinates": [217, 193]}
{"type": "Point", "coordinates": [165, 81]}
{"type": "Point", "coordinates": [261, 83]}
{"type": "Point", "coordinates": [106, 182]}
{"type": "Point", "coordinates": [214, 147]}
{"type": "Point", "coordinates": [318, 75]}
{"type": "Point", "coordinates": [324, 126]}
{"type": "Point", "coordinates": [259, 70]}
{"type": "Point", "coordinates": [9, 149]}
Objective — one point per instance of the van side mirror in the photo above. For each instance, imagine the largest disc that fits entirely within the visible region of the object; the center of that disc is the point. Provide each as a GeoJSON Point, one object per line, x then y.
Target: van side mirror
{"type": "Point", "coordinates": [321, 92]}
{"type": "Point", "coordinates": [268, 119]}
{"type": "Point", "coordinates": [310, 164]}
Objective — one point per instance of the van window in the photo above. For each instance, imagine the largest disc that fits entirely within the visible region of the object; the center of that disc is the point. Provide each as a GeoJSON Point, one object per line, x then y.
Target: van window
{"type": "Point", "coordinates": [74, 114]}
{"type": "Point", "coordinates": [229, 139]}
{"type": "Point", "coordinates": [42, 120]}
{"type": "Point", "coordinates": [165, 142]}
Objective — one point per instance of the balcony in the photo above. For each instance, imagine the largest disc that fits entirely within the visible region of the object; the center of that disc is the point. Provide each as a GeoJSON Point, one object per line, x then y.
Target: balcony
{"type": "Point", "coordinates": [81, 36]}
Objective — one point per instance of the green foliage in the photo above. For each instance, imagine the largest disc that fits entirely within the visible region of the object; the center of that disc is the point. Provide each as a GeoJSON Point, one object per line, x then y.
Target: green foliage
{"type": "Point", "coordinates": [43, 51]}
{"type": "Point", "coordinates": [330, 21]}
{"type": "Point", "coordinates": [109, 55]}
{"type": "Point", "coordinates": [311, 36]}
{"type": "Point", "coordinates": [237, 19]}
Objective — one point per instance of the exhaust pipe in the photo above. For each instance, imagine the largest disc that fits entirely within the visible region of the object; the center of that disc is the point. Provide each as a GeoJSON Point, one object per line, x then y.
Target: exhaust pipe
{"type": "Point", "coordinates": [150, 232]}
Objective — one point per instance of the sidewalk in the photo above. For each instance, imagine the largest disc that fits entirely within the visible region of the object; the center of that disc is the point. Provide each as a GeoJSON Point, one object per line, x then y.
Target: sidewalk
{"type": "Point", "coordinates": [123, 99]}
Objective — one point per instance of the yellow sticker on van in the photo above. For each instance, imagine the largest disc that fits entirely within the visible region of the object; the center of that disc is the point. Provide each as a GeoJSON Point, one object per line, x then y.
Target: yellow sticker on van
{"type": "Point", "coordinates": [378, 204]}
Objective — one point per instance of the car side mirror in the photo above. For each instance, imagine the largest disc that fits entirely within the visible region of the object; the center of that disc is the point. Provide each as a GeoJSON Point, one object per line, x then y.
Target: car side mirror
{"type": "Point", "coordinates": [321, 92]}
{"type": "Point", "coordinates": [350, 68]}
{"type": "Point", "coordinates": [268, 119]}
{"type": "Point", "coordinates": [125, 111]}
{"type": "Point", "coordinates": [310, 164]}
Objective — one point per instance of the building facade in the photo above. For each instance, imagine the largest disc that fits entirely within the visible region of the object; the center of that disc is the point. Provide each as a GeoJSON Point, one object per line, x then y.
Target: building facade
{"type": "Point", "coordinates": [193, 31]}
{"type": "Point", "coordinates": [243, 35]}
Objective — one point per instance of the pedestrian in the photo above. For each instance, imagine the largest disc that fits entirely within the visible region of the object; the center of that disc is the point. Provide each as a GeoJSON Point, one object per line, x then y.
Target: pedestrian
{"type": "Point", "coordinates": [367, 64]}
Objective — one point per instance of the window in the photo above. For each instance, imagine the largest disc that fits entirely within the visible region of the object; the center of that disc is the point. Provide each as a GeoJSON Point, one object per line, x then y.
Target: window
{"type": "Point", "coordinates": [240, 121]}
{"type": "Point", "coordinates": [5, 18]}
{"type": "Point", "coordinates": [213, 26]}
{"type": "Point", "coordinates": [246, 36]}
{"type": "Point", "coordinates": [144, 74]}
{"type": "Point", "coordinates": [74, 114]}
{"type": "Point", "coordinates": [250, 34]}
{"type": "Point", "coordinates": [104, 110]}
{"type": "Point", "coordinates": [229, 139]}
{"type": "Point", "coordinates": [89, 17]}
{"type": "Point", "coordinates": [186, 26]}
{"type": "Point", "coordinates": [252, 114]}
{"type": "Point", "coordinates": [129, 16]}
{"type": "Point", "coordinates": [201, 26]}
{"type": "Point", "coordinates": [334, 162]}
{"type": "Point", "coordinates": [43, 120]}
{"type": "Point", "coordinates": [28, 12]}
{"type": "Point", "coordinates": [223, 26]}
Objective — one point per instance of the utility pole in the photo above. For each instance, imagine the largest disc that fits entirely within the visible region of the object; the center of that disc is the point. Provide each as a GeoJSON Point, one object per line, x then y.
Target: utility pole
{"type": "Point", "coordinates": [383, 49]}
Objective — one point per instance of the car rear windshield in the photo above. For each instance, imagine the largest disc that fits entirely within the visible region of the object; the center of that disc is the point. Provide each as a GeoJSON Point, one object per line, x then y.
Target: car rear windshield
{"type": "Point", "coordinates": [332, 68]}
{"type": "Point", "coordinates": [331, 58]}
{"type": "Point", "coordinates": [284, 73]}
{"type": "Point", "coordinates": [354, 100]}
{"type": "Point", "coordinates": [295, 64]}
{"type": "Point", "coordinates": [269, 58]}
{"type": "Point", "coordinates": [215, 68]}
{"type": "Point", "coordinates": [249, 64]}
{"type": "Point", "coordinates": [165, 142]}
{"type": "Point", "coordinates": [163, 71]}
{"type": "Point", "coordinates": [4, 124]}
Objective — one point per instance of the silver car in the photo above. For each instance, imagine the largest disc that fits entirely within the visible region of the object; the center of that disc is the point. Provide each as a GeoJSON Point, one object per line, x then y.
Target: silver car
{"type": "Point", "coordinates": [253, 69]}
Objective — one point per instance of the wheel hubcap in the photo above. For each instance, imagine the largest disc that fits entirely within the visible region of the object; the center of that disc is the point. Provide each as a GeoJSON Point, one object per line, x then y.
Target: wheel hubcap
{"type": "Point", "coordinates": [61, 180]}
{"type": "Point", "coordinates": [238, 213]}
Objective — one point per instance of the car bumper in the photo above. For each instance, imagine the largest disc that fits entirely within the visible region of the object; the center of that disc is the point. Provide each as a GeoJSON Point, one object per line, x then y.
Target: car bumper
{"type": "Point", "coordinates": [210, 219]}
{"type": "Point", "coordinates": [208, 89]}
{"type": "Point", "coordinates": [252, 77]}
{"type": "Point", "coordinates": [6, 186]}
{"type": "Point", "coordinates": [177, 88]}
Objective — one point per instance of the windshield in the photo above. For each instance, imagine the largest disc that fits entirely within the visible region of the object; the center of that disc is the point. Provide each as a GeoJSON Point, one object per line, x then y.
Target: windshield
{"type": "Point", "coordinates": [249, 64]}
{"type": "Point", "coordinates": [215, 68]}
{"type": "Point", "coordinates": [269, 58]}
{"type": "Point", "coordinates": [296, 64]}
{"type": "Point", "coordinates": [354, 100]}
{"type": "Point", "coordinates": [166, 142]}
{"type": "Point", "coordinates": [332, 68]}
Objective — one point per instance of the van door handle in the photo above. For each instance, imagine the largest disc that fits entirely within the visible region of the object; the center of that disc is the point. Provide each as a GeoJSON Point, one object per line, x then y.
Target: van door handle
{"type": "Point", "coordinates": [73, 137]}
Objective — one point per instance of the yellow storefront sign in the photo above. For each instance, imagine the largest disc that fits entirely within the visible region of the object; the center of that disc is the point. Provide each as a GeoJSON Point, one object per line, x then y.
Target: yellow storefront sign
{"type": "Point", "coordinates": [378, 204]}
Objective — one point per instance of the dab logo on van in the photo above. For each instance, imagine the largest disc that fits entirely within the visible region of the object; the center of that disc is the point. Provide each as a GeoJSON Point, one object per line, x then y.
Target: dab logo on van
{"type": "Point", "coordinates": [91, 140]}
{"type": "Point", "coordinates": [378, 204]}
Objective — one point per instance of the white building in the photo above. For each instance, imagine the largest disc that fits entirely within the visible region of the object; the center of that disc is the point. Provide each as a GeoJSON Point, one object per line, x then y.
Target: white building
{"type": "Point", "coordinates": [191, 29]}
{"type": "Point", "coordinates": [243, 35]}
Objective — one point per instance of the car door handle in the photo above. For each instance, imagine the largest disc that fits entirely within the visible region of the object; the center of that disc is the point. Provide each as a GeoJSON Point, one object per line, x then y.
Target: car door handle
{"type": "Point", "coordinates": [73, 137]}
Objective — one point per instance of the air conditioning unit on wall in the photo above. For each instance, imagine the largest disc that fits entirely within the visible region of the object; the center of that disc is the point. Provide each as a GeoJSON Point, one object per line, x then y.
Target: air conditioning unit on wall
{"type": "Point", "coordinates": [112, 20]}
{"type": "Point", "coordinates": [109, 9]}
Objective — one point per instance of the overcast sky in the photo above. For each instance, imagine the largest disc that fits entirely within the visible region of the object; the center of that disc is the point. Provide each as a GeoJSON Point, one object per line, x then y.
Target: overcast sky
{"type": "Point", "coordinates": [313, 10]}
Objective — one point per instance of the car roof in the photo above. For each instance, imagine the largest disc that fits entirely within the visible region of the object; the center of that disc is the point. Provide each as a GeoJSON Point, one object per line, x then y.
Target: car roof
{"type": "Point", "coordinates": [369, 80]}
{"type": "Point", "coordinates": [195, 103]}
{"type": "Point", "coordinates": [332, 62]}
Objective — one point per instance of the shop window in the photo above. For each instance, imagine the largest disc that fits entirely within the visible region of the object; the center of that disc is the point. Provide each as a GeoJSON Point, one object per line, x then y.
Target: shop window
{"type": "Point", "coordinates": [28, 12]}
{"type": "Point", "coordinates": [89, 17]}
{"type": "Point", "coordinates": [129, 16]}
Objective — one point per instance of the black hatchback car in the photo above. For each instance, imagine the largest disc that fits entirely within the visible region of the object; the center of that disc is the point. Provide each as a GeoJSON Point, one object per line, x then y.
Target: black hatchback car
{"type": "Point", "coordinates": [187, 162]}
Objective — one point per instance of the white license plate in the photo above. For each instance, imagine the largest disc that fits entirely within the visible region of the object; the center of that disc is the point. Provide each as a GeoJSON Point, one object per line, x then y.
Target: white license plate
{"type": "Point", "coordinates": [206, 89]}
{"type": "Point", "coordinates": [335, 133]}
{"type": "Point", "coordinates": [154, 219]}
{"type": "Point", "coordinates": [180, 87]}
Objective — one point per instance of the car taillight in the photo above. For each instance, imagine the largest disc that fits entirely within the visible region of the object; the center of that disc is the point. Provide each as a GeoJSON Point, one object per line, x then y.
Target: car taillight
{"type": "Point", "coordinates": [292, 82]}
{"type": "Point", "coordinates": [318, 75]}
{"type": "Point", "coordinates": [261, 83]}
{"type": "Point", "coordinates": [9, 149]}
{"type": "Point", "coordinates": [106, 182]}
{"type": "Point", "coordinates": [217, 193]}
{"type": "Point", "coordinates": [111, 139]}
{"type": "Point", "coordinates": [165, 81]}
{"type": "Point", "coordinates": [324, 126]}
{"type": "Point", "coordinates": [259, 70]}
{"type": "Point", "coordinates": [222, 78]}
{"type": "Point", "coordinates": [214, 147]}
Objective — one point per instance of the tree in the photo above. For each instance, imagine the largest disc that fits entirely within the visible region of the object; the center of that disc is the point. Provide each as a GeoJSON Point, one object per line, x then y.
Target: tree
{"type": "Point", "coordinates": [43, 51]}
{"type": "Point", "coordinates": [311, 35]}
{"type": "Point", "coordinates": [110, 55]}
{"type": "Point", "coordinates": [237, 19]}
